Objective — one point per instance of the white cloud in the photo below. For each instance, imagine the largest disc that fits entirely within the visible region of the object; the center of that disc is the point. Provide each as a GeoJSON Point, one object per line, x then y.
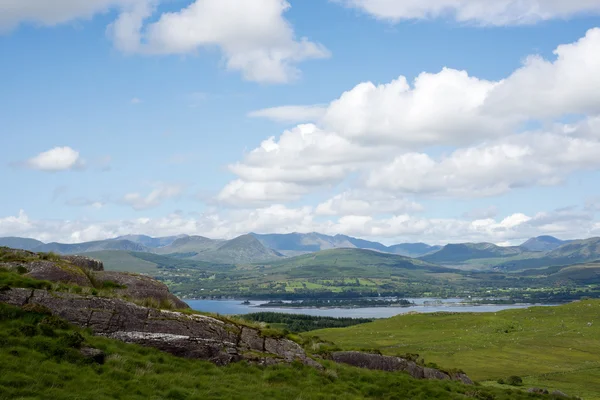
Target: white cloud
{"type": "Point", "coordinates": [497, 12]}
{"type": "Point", "coordinates": [135, 101]}
{"type": "Point", "coordinates": [303, 158]}
{"type": "Point", "coordinates": [384, 134]}
{"type": "Point", "coordinates": [522, 160]}
{"type": "Point", "coordinates": [253, 36]}
{"type": "Point", "coordinates": [566, 224]}
{"type": "Point", "coordinates": [291, 114]}
{"type": "Point", "coordinates": [365, 203]}
{"type": "Point", "coordinates": [240, 193]}
{"type": "Point", "coordinates": [161, 193]}
{"type": "Point", "coordinates": [56, 159]}
{"type": "Point", "coordinates": [50, 13]}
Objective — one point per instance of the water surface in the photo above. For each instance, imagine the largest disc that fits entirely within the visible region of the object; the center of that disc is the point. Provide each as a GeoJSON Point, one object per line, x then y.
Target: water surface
{"type": "Point", "coordinates": [229, 307]}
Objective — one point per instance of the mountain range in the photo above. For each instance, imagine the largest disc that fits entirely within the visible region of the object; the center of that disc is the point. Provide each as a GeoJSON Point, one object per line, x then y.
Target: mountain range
{"type": "Point", "coordinates": [543, 251]}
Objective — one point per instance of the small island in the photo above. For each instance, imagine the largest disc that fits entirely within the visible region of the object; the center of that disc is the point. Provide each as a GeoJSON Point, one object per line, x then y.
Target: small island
{"type": "Point", "coordinates": [338, 303]}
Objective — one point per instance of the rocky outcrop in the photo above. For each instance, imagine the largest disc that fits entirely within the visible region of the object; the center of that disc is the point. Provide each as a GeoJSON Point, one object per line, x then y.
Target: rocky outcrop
{"type": "Point", "coordinates": [85, 262]}
{"type": "Point", "coordinates": [140, 287]}
{"type": "Point", "coordinates": [57, 272]}
{"type": "Point", "coordinates": [186, 335]}
{"type": "Point", "coordinates": [87, 272]}
{"type": "Point", "coordinates": [393, 364]}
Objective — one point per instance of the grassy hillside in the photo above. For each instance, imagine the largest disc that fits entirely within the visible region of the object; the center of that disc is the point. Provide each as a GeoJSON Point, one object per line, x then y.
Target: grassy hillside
{"type": "Point", "coordinates": [20, 243]}
{"type": "Point", "coordinates": [573, 252]}
{"type": "Point", "coordinates": [40, 359]}
{"type": "Point", "coordinates": [124, 261]}
{"type": "Point", "coordinates": [453, 253]}
{"type": "Point", "coordinates": [80, 248]}
{"type": "Point", "coordinates": [556, 347]}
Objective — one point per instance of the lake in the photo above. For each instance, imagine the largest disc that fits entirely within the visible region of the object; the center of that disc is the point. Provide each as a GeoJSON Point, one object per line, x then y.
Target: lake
{"type": "Point", "coordinates": [229, 307]}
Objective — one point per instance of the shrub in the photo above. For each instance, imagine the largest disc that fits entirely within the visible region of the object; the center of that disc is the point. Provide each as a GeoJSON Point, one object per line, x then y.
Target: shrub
{"type": "Point", "coordinates": [514, 380]}
{"type": "Point", "coordinates": [501, 381]}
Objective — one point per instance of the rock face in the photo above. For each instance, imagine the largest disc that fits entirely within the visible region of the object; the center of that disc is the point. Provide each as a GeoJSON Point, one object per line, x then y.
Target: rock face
{"type": "Point", "coordinates": [87, 272]}
{"type": "Point", "coordinates": [392, 364]}
{"type": "Point", "coordinates": [141, 287]}
{"type": "Point", "coordinates": [192, 336]}
{"type": "Point", "coordinates": [85, 262]}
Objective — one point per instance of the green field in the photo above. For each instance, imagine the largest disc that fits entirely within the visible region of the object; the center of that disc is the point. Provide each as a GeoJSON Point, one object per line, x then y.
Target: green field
{"type": "Point", "coordinates": [553, 347]}
{"type": "Point", "coordinates": [40, 360]}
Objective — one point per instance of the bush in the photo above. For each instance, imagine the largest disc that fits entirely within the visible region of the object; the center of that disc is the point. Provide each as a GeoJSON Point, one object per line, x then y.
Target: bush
{"type": "Point", "coordinates": [501, 381]}
{"type": "Point", "coordinates": [514, 380]}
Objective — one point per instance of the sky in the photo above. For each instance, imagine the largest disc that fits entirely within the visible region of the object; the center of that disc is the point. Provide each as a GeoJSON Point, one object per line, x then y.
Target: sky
{"type": "Point", "coordinates": [436, 121]}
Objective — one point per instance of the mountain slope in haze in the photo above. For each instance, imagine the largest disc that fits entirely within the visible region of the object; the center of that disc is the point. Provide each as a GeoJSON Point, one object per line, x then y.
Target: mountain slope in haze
{"type": "Point", "coordinates": [101, 245]}
{"type": "Point", "coordinates": [292, 244]}
{"type": "Point", "coordinates": [20, 243]}
{"type": "Point", "coordinates": [151, 242]}
{"type": "Point", "coordinates": [572, 252]}
{"type": "Point", "coordinates": [190, 246]}
{"type": "Point", "coordinates": [353, 262]}
{"type": "Point", "coordinates": [413, 249]}
{"type": "Point", "coordinates": [456, 253]}
{"type": "Point", "coordinates": [243, 249]}
{"type": "Point", "coordinates": [542, 243]}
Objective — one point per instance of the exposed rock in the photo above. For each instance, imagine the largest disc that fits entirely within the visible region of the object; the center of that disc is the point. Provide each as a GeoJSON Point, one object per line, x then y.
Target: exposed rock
{"type": "Point", "coordinates": [192, 336]}
{"type": "Point", "coordinates": [141, 287]}
{"type": "Point", "coordinates": [94, 355]}
{"type": "Point", "coordinates": [57, 272]}
{"type": "Point", "coordinates": [558, 393]}
{"type": "Point", "coordinates": [393, 364]}
{"type": "Point", "coordinates": [537, 391]}
{"type": "Point", "coordinates": [85, 262]}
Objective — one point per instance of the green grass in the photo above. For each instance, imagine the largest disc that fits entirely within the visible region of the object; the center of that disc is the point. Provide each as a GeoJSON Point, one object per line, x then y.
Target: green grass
{"type": "Point", "coordinates": [40, 360]}
{"type": "Point", "coordinates": [548, 346]}
{"type": "Point", "coordinates": [123, 261]}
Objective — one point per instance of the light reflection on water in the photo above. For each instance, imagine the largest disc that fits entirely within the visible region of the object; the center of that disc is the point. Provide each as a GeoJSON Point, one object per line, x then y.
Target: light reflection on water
{"type": "Point", "coordinates": [228, 307]}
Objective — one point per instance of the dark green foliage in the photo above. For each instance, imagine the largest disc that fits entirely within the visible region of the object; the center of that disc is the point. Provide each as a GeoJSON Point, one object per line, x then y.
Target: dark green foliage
{"type": "Point", "coordinates": [13, 279]}
{"type": "Point", "coordinates": [514, 380]}
{"type": "Point", "coordinates": [112, 285]}
{"type": "Point", "coordinates": [303, 323]}
{"type": "Point", "coordinates": [46, 366]}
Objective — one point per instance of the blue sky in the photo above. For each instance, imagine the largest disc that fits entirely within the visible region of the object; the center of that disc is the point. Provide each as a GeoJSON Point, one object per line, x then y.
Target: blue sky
{"type": "Point", "coordinates": [155, 117]}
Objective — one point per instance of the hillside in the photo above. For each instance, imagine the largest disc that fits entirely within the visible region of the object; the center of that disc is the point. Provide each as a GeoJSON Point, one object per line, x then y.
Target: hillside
{"type": "Point", "coordinates": [555, 347]}
{"type": "Point", "coordinates": [101, 245]}
{"type": "Point", "coordinates": [542, 243]}
{"type": "Point", "coordinates": [45, 361]}
{"type": "Point", "coordinates": [349, 262]}
{"type": "Point", "coordinates": [573, 252]}
{"type": "Point", "coordinates": [150, 242]}
{"type": "Point", "coordinates": [413, 249]}
{"type": "Point", "coordinates": [456, 253]}
{"type": "Point", "coordinates": [189, 246]}
{"type": "Point", "coordinates": [297, 243]}
{"type": "Point", "coordinates": [20, 243]}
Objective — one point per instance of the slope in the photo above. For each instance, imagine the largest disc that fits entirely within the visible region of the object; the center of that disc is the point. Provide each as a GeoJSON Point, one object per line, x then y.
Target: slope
{"type": "Point", "coordinates": [556, 347]}
{"type": "Point", "coordinates": [241, 250]}
{"type": "Point", "coordinates": [87, 247]}
{"type": "Point", "coordinates": [455, 253]}
{"type": "Point", "coordinates": [574, 252]}
{"type": "Point", "coordinates": [20, 243]}
{"type": "Point", "coordinates": [542, 243]}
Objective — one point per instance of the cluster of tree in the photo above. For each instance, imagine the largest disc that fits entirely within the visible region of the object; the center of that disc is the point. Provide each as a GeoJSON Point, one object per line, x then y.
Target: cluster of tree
{"type": "Point", "coordinates": [303, 323]}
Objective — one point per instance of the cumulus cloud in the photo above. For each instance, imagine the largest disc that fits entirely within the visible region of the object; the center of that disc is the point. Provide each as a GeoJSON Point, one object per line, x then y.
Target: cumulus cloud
{"type": "Point", "coordinates": [383, 134]}
{"type": "Point", "coordinates": [366, 203]}
{"type": "Point", "coordinates": [155, 198]}
{"type": "Point", "coordinates": [302, 159]}
{"type": "Point", "coordinates": [491, 169]}
{"type": "Point", "coordinates": [253, 36]}
{"type": "Point", "coordinates": [291, 114]}
{"type": "Point", "coordinates": [54, 160]}
{"type": "Point", "coordinates": [497, 12]}
{"type": "Point", "coordinates": [50, 13]}
{"type": "Point", "coordinates": [401, 228]}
